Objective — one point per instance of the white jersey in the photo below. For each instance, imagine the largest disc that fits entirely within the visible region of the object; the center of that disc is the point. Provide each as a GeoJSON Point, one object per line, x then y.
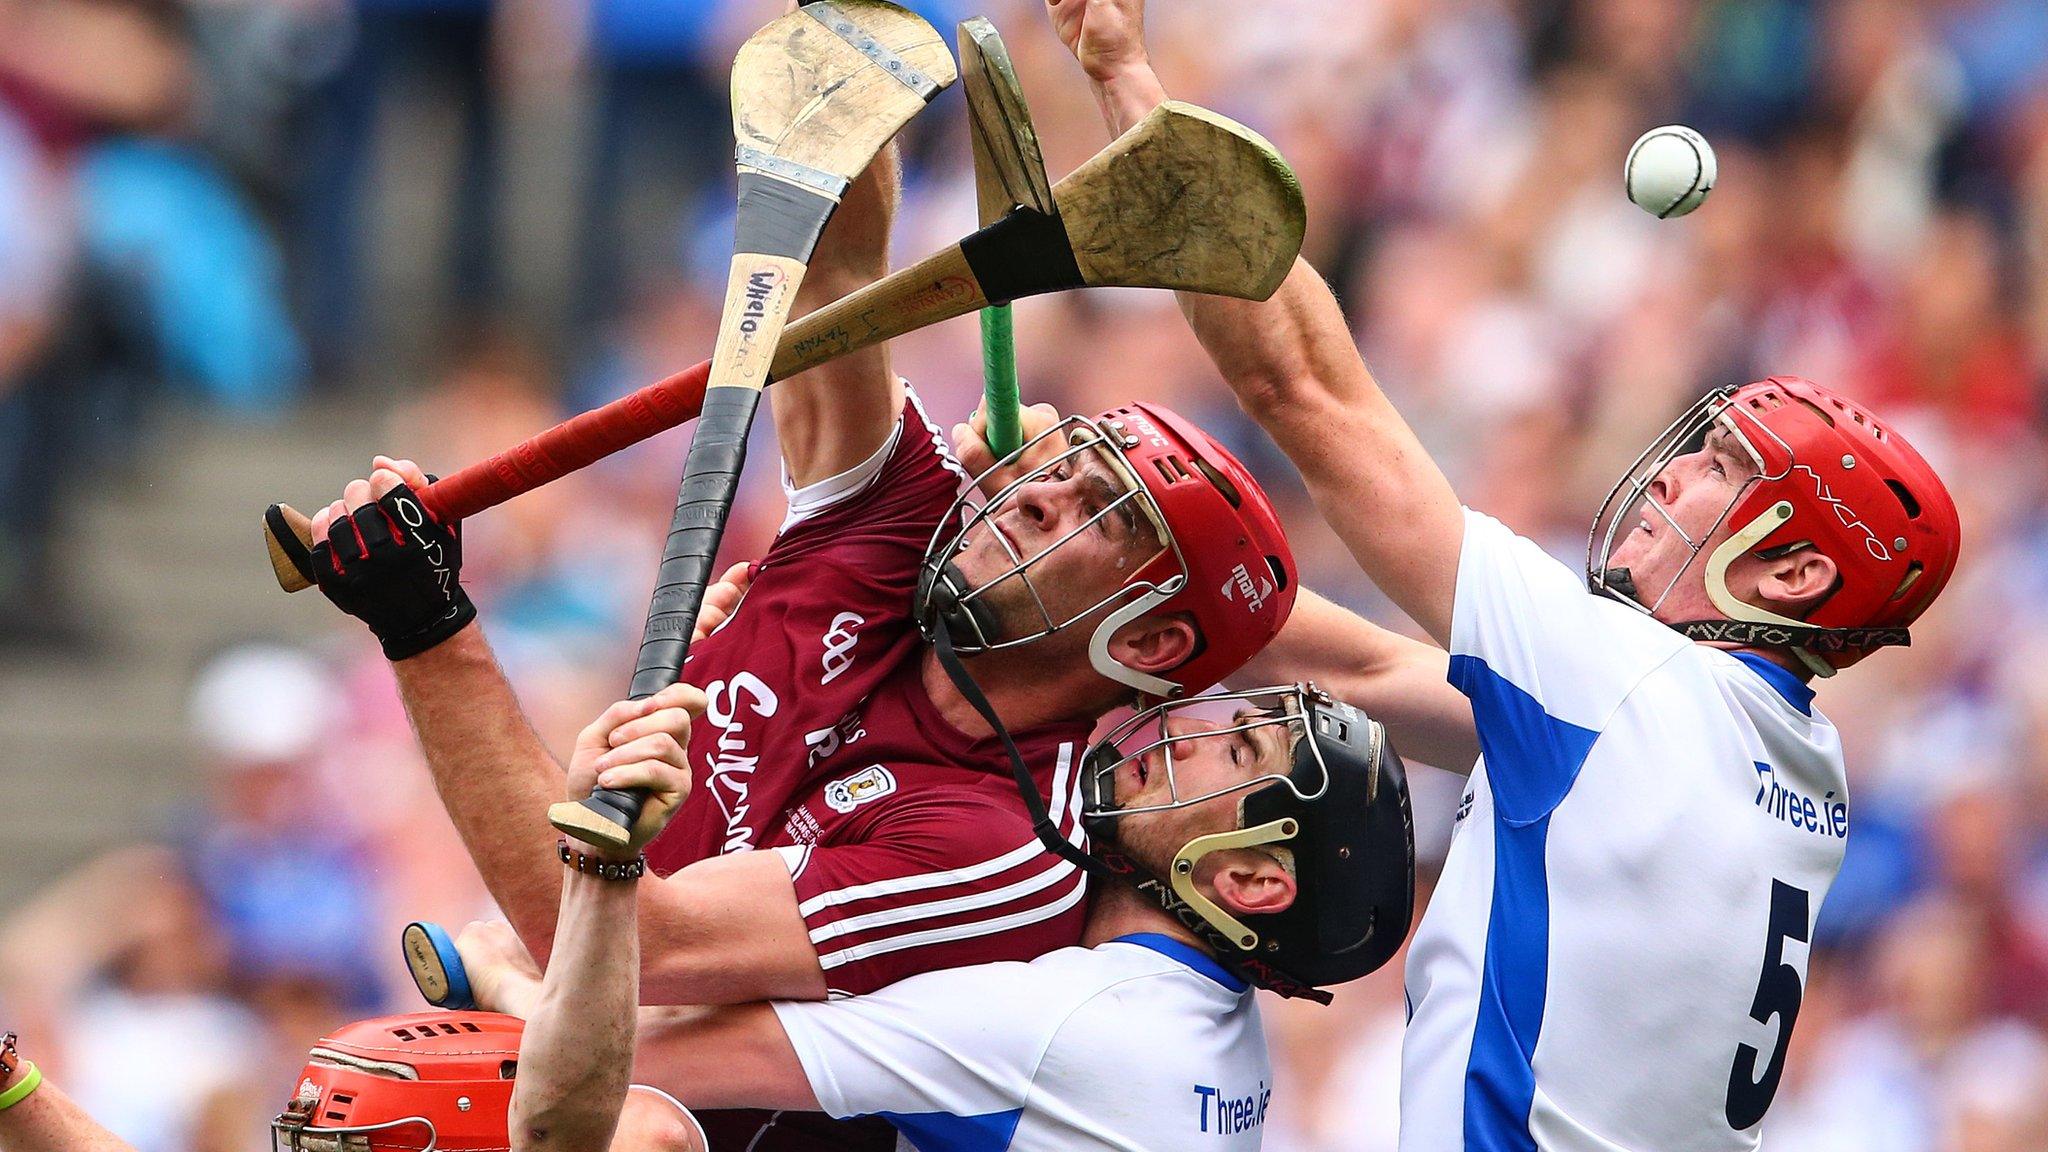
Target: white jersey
{"type": "Point", "coordinates": [1142, 1042]}
{"type": "Point", "coordinates": [1617, 950]}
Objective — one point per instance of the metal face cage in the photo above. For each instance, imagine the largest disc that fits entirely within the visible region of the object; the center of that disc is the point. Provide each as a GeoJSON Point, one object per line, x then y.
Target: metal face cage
{"type": "Point", "coordinates": [1149, 734]}
{"type": "Point", "coordinates": [1630, 496]}
{"type": "Point", "coordinates": [976, 631]}
{"type": "Point", "coordinates": [289, 1133]}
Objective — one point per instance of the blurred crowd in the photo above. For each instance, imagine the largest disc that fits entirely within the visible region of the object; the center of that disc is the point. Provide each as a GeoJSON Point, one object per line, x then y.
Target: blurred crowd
{"type": "Point", "coordinates": [461, 219]}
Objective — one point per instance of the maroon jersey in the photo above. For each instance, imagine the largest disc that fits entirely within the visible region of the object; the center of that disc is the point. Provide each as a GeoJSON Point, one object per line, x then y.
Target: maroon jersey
{"type": "Point", "coordinates": [909, 846]}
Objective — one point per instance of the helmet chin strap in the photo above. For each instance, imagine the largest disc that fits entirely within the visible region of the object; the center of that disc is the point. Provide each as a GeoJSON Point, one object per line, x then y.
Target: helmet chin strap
{"type": "Point", "coordinates": [942, 590]}
{"type": "Point", "coordinates": [1734, 607]}
{"type": "Point", "coordinates": [1041, 819]}
{"type": "Point", "coordinates": [1749, 626]}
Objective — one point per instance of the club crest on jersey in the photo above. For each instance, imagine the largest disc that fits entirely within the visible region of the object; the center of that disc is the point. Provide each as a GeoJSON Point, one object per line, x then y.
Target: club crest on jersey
{"type": "Point", "coordinates": [871, 783]}
{"type": "Point", "coordinates": [1239, 586]}
{"type": "Point", "coordinates": [839, 641]}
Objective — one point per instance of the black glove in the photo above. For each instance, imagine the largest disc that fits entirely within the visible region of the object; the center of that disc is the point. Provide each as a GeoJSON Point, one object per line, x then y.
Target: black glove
{"type": "Point", "coordinates": [397, 569]}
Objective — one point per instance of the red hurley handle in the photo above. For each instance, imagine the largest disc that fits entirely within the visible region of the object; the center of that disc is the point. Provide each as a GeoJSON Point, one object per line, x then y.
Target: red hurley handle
{"type": "Point", "coordinates": [574, 443]}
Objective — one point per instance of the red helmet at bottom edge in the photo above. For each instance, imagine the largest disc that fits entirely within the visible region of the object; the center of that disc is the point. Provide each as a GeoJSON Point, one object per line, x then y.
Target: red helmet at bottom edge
{"type": "Point", "coordinates": [424, 1082]}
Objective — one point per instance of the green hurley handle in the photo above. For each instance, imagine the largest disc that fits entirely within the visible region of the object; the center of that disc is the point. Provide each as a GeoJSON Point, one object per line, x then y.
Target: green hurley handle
{"type": "Point", "coordinates": [999, 380]}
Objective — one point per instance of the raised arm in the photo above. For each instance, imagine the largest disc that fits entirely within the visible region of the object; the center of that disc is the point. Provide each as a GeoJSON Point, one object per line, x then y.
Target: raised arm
{"type": "Point", "coordinates": [1397, 680]}
{"type": "Point", "coordinates": [832, 417]}
{"type": "Point", "coordinates": [1292, 364]}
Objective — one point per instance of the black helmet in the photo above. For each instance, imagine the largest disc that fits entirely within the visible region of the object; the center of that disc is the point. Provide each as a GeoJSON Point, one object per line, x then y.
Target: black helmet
{"type": "Point", "coordinates": [1339, 813]}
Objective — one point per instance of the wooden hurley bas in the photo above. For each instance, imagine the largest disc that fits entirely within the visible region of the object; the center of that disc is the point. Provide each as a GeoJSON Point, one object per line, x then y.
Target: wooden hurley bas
{"type": "Point", "coordinates": [1186, 200]}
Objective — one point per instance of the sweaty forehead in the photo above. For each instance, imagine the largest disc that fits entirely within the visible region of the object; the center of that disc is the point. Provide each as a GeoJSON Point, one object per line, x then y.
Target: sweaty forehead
{"type": "Point", "coordinates": [1106, 467]}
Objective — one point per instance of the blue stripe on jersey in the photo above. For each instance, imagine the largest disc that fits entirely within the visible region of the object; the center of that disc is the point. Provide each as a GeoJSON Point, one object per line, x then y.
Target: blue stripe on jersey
{"type": "Point", "coordinates": [945, 1132]}
{"type": "Point", "coordinates": [1187, 954]}
{"type": "Point", "coordinates": [1500, 1081]}
{"type": "Point", "coordinates": [1532, 761]}
{"type": "Point", "coordinates": [1796, 692]}
{"type": "Point", "coordinates": [1532, 757]}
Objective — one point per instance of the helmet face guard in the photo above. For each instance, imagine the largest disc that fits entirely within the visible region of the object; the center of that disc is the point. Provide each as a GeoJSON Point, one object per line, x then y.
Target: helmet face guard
{"type": "Point", "coordinates": [1336, 814]}
{"type": "Point", "coordinates": [1828, 476]}
{"type": "Point", "coordinates": [1617, 513]}
{"type": "Point", "coordinates": [943, 589]}
{"type": "Point", "coordinates": [292, 1131]}
{"type": "Point", "coordinates": [1221, 556]}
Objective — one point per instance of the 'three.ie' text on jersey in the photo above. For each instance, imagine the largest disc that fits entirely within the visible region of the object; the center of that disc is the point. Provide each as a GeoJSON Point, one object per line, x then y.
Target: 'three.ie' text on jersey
{"type": "Point", "coordinates": [1615, 955]}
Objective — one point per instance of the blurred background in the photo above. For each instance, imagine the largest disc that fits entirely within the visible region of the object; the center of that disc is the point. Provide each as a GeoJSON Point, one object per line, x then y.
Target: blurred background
{"type": "Point", "coordinates": [246, 243]}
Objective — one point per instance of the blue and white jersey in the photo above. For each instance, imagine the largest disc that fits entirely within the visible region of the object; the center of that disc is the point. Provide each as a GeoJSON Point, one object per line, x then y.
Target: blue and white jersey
{"type": "Point", "coordinates": [1142, 1042]}
{"type": "Point", "coordinates": [1617, 950]}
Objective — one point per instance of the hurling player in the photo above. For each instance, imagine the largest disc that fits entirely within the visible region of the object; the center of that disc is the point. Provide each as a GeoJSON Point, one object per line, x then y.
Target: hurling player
{"type": "Point", "coordinates": [1272, 834]}
{"type": "Point", "coordinates": [1616, 953]}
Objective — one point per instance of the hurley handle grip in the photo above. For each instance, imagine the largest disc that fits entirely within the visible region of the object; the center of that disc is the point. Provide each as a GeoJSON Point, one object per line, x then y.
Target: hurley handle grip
{"type": "Point", "coordinates": [573, 444]}
{"type": "Point", "coordinates": [712, 476]}
{"type": "Point", "coordinates": [999, 380]}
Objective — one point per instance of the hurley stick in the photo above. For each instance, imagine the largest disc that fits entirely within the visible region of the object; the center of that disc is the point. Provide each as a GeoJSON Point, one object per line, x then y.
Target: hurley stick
{"type": "Point", "coordinates": [1185, 200]}
{"type": "Point", "coordinates": [1009, 175]}
{"type": "Point", "coordinates": [815, 95]}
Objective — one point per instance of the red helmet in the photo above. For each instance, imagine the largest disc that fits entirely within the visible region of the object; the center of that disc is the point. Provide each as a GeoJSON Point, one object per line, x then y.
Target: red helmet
{"type": "Point", "coordinates": [1225, 560]}
{"type": "Point", "coordinates": [439, 1081]}
{"type": "Point", "coordinates": [1832, 476]}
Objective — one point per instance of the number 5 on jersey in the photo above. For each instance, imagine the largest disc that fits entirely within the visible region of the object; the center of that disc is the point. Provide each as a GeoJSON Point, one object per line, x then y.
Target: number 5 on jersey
{"type": "Point", "coordinates": [1778, 993]}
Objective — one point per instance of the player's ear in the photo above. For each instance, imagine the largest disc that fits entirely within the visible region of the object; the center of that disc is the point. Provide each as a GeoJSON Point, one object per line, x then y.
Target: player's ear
{"type": "Point", "coordinates": [1795, 583]}
{"type": "Point", "coordinates": [1156, 643]}
{"type": "Point", "coordinates": [1250, 882]}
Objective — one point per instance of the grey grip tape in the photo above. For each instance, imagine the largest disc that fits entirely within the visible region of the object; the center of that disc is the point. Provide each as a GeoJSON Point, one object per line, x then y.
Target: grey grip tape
{"type": "Point", "coordinates": [711, 475]}
{"type": "Point", "coordinates": [777, 218]}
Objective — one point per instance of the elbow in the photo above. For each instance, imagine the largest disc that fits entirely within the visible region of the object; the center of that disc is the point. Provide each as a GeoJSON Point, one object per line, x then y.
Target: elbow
{"type": "Point", "coordinates": [562, 1124]}
{"type": "Point", "coordinates": [1275, 397]}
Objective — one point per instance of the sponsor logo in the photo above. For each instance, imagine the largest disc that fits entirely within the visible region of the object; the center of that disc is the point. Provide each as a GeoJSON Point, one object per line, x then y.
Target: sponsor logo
{"type": "Point", "coordinates": [1827, 816]}
{"type": "Point", "coordinates": [761, 285]}
{"type": "Point", "coordinates": [870, 783]}
{"type": "Point", "coordinates": [1845, 514]}
{"type": "Point", "coordinates": [1465, 806]}
{"type": "Point", "coordinates": [941, 292]}
{"type": "Point", "coordinates": [732, 705]}
{"type": "Point", "coordinates": [803, 828]}
{"type": "Point", "coordinates": [839, 641]}
{"type": "Point", "coordinates": [1231, 1114]}
{"type": "Point", "coordinates": [416, 517]}
{"type": "Point", "coordinates": [1240, 584]}
{"type": "Point", "coordinates": [1149, 430]}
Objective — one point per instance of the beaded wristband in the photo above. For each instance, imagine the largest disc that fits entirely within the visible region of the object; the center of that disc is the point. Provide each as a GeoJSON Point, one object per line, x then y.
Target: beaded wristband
{"type": "Point", "coordinates": [602, 869]}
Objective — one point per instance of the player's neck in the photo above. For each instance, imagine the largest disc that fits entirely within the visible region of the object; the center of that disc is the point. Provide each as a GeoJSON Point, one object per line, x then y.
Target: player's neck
{"type": "Point", "coordinates": [1025, 697]}
{"type": "Point", "coordinates": [1117, 910]}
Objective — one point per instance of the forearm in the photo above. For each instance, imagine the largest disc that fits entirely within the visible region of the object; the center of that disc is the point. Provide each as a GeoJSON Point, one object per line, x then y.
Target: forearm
{"type": "Point", "coordinates": [576, 1058]}
{"type": "Point", "coordinates": [1291, 362]}
{"type": "Point", "coordinates": [834, 416]}
{"type": "Point", "coordinates": [726, 931]}
{"type": "Point", "coordinates": [48, 1121]}
{"type": "Point", "coordinates": [1398, 681]}
{"type": "Point", "coordinates": [732, 1057]}
{"type": "Point", "coordinates": [494, 775]}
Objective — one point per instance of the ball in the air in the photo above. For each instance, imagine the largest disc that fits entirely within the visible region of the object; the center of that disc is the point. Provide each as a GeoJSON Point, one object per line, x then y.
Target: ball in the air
{"type": "Point", "coordinates": [1670, 170]}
